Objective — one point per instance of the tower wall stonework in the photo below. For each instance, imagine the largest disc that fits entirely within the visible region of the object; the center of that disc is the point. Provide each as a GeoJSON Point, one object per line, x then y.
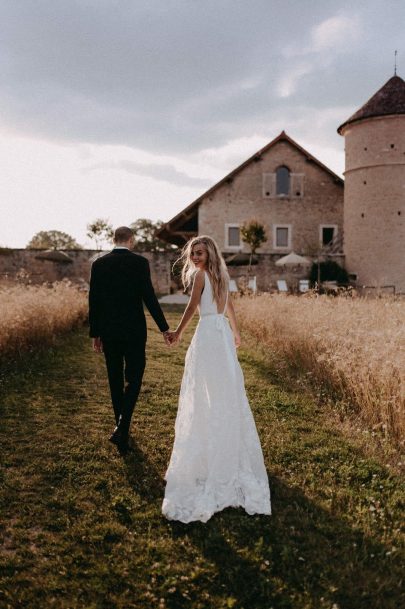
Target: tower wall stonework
{"type": "Point", "coordinates": [374, 201]}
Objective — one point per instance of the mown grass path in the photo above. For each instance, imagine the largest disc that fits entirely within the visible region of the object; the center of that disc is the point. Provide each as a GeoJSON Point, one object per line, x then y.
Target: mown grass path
{"type": "Point", "coordinates": [81, 525]}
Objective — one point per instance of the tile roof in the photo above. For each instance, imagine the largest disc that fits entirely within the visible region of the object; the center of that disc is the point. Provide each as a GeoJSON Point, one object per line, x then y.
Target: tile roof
{"type": "Point", "coordinates": [390, 99]}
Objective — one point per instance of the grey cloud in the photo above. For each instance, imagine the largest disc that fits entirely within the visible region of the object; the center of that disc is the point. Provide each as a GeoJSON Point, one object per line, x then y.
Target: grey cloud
{"type": "Point", "coordinates": [165, 173]}
{"type": "Point", "coordinates": [169, 76]}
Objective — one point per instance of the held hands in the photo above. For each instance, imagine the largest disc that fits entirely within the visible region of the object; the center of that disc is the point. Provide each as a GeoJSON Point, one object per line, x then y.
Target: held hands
{"type": "Point", "coordinates": [171, 338]}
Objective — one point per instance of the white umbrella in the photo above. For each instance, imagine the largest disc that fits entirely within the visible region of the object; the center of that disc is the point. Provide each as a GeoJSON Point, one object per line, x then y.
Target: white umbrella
{"type": "Point", "coordinates": [54, 256]}
{"type": "Point", "coordinates": [293, 259]}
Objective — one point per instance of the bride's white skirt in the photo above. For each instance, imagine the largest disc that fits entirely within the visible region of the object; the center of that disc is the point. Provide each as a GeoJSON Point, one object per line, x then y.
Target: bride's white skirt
{"type": "Point", "coordinates": [217, 459]}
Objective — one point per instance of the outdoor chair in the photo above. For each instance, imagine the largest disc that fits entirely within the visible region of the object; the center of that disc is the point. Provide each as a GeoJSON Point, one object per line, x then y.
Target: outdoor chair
{"type": "Point", "coordinates": [233, 287]}
{"type": "Point", "coordinates": [252, 284]}
{"type": "Point", "coordinates": [282, 286]}
{"type": "Point", "coordinates": [303, 286]}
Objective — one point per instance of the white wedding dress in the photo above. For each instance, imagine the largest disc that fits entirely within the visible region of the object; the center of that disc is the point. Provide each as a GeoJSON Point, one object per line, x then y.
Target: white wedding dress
{"type": "Point", "coordinates": [217, 459]}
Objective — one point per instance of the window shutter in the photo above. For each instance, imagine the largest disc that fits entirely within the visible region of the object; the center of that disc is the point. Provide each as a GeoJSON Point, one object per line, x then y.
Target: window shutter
{"type": "Point", "coordinates": [269, 185]}
{"type": "Point", "coordinates": [297, 185]}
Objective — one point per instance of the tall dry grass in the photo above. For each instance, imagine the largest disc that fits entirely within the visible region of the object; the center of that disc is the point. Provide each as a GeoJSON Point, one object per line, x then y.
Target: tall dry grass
{"type": "Point", "coordinates": [355, 349]}
{"type": "Point", "coordinates": [31, 316]}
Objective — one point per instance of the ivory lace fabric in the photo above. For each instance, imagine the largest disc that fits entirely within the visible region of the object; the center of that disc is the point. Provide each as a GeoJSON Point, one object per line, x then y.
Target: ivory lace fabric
{"type": "Point", "coordinates": [217, 459]}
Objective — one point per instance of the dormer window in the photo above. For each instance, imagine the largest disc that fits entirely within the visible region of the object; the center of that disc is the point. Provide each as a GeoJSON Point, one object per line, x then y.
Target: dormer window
{"type": "Point", "coordinates": [282, 181]}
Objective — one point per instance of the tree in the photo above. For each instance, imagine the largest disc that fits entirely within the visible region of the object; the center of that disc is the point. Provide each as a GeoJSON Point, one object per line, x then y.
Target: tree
{"type": "Point", "coordinates": [253, 234]}
{"type": "Point", "coordinates": [145, 236]}
{"type": "Point", "coordinates": [53, 239]}
{"type": "Point", "coordinates": [100, 231]}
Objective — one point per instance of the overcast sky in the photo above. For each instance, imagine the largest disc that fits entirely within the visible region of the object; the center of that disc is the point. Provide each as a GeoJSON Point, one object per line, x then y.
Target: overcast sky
{"type": "Point", "coordinates": [132, 108]}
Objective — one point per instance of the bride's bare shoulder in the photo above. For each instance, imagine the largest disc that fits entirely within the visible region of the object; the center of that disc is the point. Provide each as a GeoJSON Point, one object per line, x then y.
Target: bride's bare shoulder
{"type": "Point", "coordinates": [199, 276]}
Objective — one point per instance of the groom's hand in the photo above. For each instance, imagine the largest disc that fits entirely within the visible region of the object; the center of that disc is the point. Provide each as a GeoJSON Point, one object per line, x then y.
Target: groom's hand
{"type": "Point", "coordinates": [97, 345]}
{"type": "Point", "coordinates": [168, 337]}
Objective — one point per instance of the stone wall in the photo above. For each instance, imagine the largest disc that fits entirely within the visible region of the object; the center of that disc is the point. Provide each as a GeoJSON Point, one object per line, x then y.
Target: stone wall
{"type": "Point", "coordinates": [23, 262]}
{"type": "Point", "coordinates": [374, 208]}
{"type": "Point", "coordinates": [242, 199]}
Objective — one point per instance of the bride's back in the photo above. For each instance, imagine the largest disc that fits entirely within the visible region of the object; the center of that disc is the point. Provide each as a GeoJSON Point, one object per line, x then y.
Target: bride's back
{"type": "Point", "coordinates": [208, 306]}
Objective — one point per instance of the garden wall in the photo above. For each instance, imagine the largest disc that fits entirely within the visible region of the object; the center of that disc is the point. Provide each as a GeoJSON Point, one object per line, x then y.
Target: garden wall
{"type": "Point", "coordinates": [27, 265]}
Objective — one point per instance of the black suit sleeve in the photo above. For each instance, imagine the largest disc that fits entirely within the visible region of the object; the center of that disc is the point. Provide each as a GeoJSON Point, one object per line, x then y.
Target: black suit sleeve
{"type": "Point", "coordinates": [94, 302]}
{"type": "Point", "coordinates": [149, 298]}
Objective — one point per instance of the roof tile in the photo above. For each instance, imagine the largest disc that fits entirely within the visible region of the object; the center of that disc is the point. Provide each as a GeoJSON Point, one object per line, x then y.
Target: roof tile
{"type": "Point", "coordinates": [390, 99]}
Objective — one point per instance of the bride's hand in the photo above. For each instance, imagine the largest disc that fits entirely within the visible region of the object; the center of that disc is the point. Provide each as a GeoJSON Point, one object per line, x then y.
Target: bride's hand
{"type": "Point", "coordinates": [176, 338]}
{"type": "Point", "coordinates": [237, 340]}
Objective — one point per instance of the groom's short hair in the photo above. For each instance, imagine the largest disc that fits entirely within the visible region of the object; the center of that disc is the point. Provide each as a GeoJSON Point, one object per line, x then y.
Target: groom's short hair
{"type": "Point", "coordinates": [123, 234]}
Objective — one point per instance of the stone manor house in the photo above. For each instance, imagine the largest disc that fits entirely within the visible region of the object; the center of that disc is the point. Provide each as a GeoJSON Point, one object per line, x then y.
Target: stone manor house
{"type": "Point", "coordinates": [305, 207]}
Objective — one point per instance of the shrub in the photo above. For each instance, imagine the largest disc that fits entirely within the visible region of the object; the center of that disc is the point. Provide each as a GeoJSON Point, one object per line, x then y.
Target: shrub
{"type": "Point", "coordinates": [330, 271]}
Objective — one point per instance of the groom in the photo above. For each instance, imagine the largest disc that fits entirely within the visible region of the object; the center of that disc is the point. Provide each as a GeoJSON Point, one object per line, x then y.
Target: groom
{"type": "Point", "coordinates": [119, 285]}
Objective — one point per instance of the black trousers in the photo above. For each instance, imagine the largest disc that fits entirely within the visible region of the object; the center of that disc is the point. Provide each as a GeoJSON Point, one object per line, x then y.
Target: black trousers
{"type": "Point", "coordinates": [125, 360]}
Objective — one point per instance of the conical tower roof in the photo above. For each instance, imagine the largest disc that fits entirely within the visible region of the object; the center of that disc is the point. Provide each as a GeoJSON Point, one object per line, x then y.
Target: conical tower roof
{"type": "Point", "coordinates": [390, 99]}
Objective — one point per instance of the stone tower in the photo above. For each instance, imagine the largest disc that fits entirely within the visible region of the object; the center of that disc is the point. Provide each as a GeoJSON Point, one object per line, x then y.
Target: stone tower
{"type": "Point", "coordinates": [374, 194]}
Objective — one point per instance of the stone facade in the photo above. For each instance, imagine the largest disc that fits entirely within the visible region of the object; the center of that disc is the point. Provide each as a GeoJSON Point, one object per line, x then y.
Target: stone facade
{"type": "Point", "coordinates": [374, 201]}
{"type": "Point", "coordinates": [25, 263]}
{"type": "Point", "coordinates": [302, 212]}
{"type": "Point", "coordinates": [243, 196]}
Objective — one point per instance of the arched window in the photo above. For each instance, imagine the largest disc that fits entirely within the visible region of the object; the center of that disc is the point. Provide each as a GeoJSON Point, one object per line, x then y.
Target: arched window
{"type": "Point", "coordinates": [282, 181]}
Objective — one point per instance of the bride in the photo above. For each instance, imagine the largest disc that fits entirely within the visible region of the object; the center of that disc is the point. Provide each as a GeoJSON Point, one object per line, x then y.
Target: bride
{"type": "Point", "coordinates": [217, 459]}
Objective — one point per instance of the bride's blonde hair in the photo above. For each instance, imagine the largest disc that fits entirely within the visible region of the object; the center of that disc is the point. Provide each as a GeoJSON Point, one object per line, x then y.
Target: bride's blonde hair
{"type": "Point", "coordinates": [216, 266]}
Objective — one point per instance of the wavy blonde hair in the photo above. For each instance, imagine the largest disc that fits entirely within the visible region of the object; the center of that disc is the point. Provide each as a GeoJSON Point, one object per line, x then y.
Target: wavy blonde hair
{"type": "Point", "coordinates": [216, 266]}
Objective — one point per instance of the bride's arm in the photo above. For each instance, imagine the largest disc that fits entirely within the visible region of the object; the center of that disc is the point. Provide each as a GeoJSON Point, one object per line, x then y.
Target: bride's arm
{"type": "Point", "coordinates": [232, 320]}
{"type": "Point", "coordinates": [192, 304]}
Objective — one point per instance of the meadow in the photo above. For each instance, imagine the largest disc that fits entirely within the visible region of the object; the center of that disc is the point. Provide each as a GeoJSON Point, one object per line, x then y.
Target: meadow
{"type": "Point", "coordinates": [350, 350]}
{"type": "Point", "coordinates": [81, 524]}
{"type": "Point", "coordinates": [31, 316]}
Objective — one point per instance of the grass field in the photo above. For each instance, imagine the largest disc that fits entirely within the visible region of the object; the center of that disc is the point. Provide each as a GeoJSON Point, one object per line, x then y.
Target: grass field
{"type": "Point", "coordinates": [32, 315]}
{"type": "Point", "coordinates": [351, 348]}
{"type": "Point", "coordinates": [81, 526]}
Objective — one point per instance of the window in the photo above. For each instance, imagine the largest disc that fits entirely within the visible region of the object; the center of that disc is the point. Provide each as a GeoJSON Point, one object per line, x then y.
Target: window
{"type": "Point", "coordinates": [232, 236]}
{"type": "Point", "coordinates": [283, 181]}
{"type": "Point", "coordinates": [283, 184]}
{"type": "Point", "coordinates": [327, 233]}
{"type": "Point", "coordinates": [282, 236]}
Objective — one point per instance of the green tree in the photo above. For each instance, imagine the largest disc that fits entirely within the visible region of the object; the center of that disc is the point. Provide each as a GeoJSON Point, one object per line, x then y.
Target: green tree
{"type": "Point", "coordinates": [145, 236]}
{"type": "Point", "coordinates": [253, 234]}
{"type": "Point", "coordinates": [53, 239]}
{"type": "Point", "coordinates": [101, 232]}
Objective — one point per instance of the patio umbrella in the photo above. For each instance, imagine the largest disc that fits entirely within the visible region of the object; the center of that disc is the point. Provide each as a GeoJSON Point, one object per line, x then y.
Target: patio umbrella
{"type": "Point", "coordinates": [240, 259]}
{"type": "Point", "coordinates": [54, 256]}
{"type": "Point", "coordinates": [293, 259]}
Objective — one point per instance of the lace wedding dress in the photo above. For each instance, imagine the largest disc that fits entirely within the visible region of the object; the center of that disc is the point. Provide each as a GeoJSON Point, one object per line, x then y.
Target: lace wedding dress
{"type": "Point", "coordinates": [217, 459]}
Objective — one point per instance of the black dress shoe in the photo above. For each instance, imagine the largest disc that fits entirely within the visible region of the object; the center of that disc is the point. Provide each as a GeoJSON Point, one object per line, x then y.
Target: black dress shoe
{"type": "Point", "coordinates": [119, 437]}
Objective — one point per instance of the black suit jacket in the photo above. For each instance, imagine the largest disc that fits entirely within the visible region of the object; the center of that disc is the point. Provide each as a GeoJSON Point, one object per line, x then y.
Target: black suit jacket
{"type": "Point", "coordinates": [119, 285]}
